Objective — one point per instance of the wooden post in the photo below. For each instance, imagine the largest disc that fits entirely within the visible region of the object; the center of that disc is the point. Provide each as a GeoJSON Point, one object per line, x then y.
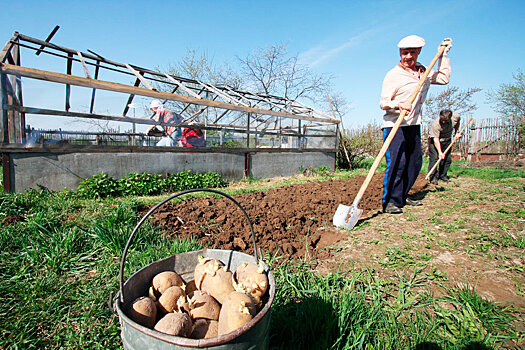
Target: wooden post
{"type": "Point", "coordinates": [300, 137]}
{"type": "Point", "coordinates": [6, 172]}
{"type": "Point", "coordinates": [97, 68]}
{"type": "Point", "coordinates": [247, 164]}
{"type": "Point", "coordinates": [18, 118]}
{"type": "Point", "coordinates": [4, 118]}
{"type": "Point", "coordinates": [473, 139]}
{"type": "Point", "coordinates": [68, 72]}
{"type": "Point", "coordinates": [248, 131]}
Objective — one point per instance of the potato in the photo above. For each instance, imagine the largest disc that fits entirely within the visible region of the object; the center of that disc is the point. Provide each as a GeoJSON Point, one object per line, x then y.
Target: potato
{"type": "Point", "coordinates": [203, 305]}
{"type": "Point", "coordinates": [164, 280]}
{"type": "Point", "coordinates": [173, 299]}
{"type": "Point", "coordinates": [237, 310]}
{"type": "Point", "coordinates": [143, 311]}
{"type": "Point", "coordinates": [205, 265]}
{"type": "Point", "coordinates": [251, 279]}
{"type": "Point", "coordinates": [175, 323]}
{"type": "Point", "coordinates": [212, 277]}
{"type": "Point", "coordinates": [203, 329]}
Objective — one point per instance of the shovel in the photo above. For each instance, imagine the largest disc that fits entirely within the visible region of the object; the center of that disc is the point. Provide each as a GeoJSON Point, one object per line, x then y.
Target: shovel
{"type": "Point", "coordinates": [446, 150]}
{"type": "Point", "coordinates": [347, 216]}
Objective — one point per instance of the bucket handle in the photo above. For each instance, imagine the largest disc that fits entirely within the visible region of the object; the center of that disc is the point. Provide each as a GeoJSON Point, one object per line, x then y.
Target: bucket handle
{"type": "Point", "coordinates": [132, 236]}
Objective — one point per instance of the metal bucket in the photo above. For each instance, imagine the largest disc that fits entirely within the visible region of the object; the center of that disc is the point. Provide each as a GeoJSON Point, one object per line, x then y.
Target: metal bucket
{"type": "Point", "coordinates": [253, 335]}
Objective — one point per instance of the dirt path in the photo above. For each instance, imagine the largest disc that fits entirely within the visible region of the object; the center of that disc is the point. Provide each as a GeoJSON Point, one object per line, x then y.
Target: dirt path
{"type": "Point", "coordinates": [467, 229]}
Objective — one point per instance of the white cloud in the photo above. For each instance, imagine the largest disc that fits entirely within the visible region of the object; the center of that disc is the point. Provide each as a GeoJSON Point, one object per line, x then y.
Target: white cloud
{"type": "Point", "coordinates": [318, 54]}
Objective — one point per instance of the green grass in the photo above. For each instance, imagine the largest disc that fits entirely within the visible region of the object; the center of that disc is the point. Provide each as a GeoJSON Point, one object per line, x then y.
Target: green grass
{"type": "Point", "coordinates": [59, 265]}
{"type": "Point", "coordinates": [485, 173]}
{"type": "Point", "coordinates": [361, 312]}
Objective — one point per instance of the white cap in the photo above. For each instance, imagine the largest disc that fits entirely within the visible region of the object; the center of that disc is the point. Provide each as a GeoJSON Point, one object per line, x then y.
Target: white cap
{"type": "Point", "coordinates": [155, 104]}
{"type": "Point", "coordinates": [411, 41]}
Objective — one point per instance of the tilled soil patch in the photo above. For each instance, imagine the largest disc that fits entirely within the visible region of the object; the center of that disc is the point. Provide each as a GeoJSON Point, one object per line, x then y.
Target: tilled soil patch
{"type": "Point", "coordinates": [286, 220]}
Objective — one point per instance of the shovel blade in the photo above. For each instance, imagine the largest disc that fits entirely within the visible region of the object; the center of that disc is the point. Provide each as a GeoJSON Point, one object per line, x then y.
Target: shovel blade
{"type": "Point", "coordinates": [346, 216]}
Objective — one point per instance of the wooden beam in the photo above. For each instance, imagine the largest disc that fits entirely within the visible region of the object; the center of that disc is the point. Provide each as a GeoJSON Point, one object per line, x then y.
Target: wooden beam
{"type": "Point", "coordinates": [110, 86]}
{"type": "Point", "coordinates": [130, 98]}
{"type": "Point", "coordinates": [140, 76]}
{"type": "Point", "coordinates": [182, 86]}
{"type": "Point", "coordinates": [68, 87]}
{"type": "Point", "coordinates": [189, 104]}
{"type": "Point", "coordinates": [214, 126]}
{"type": "Point", "coordinates": [7, 47]}
{"type": "Point", "coordinates": [86, 70]}
{"type": "Point", "coordinates": [92, 105]}
{"type": "Point", "coordinates": [225, 96]}
{"type": "Point", "coordinates": [48, 39]}
{"type": "Point", "coordinates": [43, 111]}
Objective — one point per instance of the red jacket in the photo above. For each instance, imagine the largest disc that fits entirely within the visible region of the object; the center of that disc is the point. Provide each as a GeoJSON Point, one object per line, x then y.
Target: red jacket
{"type": "Point", "coordinates": [192, 138]}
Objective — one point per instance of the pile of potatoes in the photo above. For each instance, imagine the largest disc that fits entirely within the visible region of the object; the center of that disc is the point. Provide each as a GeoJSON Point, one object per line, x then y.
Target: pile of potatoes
{"type": "Point", "coordinates": [215, 303]}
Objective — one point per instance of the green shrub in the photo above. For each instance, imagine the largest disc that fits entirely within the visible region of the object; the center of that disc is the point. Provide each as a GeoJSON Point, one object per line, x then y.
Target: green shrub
{"type": "Point", "coordinates": [133, 184]}
{"type": "Point", "coordinates": [186, 180]}
{"type": "Point", "coordinates": [360, 144]}
{"type": "Point", "coordinates": [99, 185]}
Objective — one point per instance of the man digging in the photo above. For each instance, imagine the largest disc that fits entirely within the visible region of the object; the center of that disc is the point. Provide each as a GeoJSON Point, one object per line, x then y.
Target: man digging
{"type": "Point", "coordinates": [440, 137]}
{"type": "Point", "coordinates": [404, 157]}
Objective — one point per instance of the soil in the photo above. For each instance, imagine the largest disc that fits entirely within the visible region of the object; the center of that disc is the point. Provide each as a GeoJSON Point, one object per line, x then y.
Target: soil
{"type": "Point", "coordinates": [12, 219]}
{"type": "Point", "coordinates": [457, 235]}
{"type": "Point", "coordinates": [285, 220]}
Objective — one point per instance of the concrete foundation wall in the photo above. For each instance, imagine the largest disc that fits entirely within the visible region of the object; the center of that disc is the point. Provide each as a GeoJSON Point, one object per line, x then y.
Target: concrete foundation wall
{"type": "Point", "coordinates": [57, 171]}
{"type": "Point", "coordinates": [265, 165]}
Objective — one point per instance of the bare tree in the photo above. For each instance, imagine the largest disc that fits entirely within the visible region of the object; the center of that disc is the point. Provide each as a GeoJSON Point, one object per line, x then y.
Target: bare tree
{"type": "Point", "coordinates": [198, 67]}
{"type": "Point", "coordinates": [272, 71]}
{"type": "Point", "coordinates": [452, 98]}
{"type": "Point", "coordinates": [338, 103]}
{"type": "Point", "coordinates": [509, 102]}
{"type": "Point", "coordinates": [509, 99]}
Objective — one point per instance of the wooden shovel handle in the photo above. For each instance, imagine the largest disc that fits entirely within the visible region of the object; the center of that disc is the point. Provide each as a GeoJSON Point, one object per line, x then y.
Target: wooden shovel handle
{"type": "Point", "coordinates": [399, 120]}
{"type": "Point", "coordinates": [446, 150]}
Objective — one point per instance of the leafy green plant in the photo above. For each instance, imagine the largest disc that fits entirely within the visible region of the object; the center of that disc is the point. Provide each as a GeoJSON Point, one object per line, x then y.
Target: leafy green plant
{"type": "Point", "coordinates": [144, 184]}
{"type": "Point", "coordinates": [134, 184]}
{"type": "Point", "coordinates": [100, 185]}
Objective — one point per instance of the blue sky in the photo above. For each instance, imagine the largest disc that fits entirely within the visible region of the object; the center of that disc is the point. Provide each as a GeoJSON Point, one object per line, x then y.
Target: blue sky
{"type": "Point", "coordinates": [355, 41]}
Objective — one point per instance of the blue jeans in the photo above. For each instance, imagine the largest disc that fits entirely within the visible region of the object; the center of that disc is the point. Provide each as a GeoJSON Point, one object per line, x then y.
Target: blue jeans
{"type": "Point", "coordinates": [404, 159]}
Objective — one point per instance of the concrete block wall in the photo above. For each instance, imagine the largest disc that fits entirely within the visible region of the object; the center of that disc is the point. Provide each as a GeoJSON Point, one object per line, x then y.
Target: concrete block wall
{"type": "Point", "coordinates": [266, 165]}
{"type": "Point", "coordinates": [57, 171]}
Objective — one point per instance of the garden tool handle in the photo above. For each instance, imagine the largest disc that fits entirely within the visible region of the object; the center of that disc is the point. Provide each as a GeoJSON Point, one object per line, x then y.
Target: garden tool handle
{"type": "Point", "coordinates": [399, 120]}
{"type": "Point", "coordinates": [446, 150]}
{"type": "Point", "coordinates": [132, 235]}
{"type": "Point", "coordinates": [340, 133]}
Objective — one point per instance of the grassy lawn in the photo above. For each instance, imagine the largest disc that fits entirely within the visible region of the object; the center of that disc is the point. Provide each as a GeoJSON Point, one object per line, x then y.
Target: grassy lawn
{"type": "Point", "coordinates": [59, 267]}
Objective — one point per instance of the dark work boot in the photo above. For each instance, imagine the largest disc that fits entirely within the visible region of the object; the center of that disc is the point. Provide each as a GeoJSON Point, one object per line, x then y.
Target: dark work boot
{"type": "Point", "coordinates": [413, 202]}
{"type": "Point", "coordinates": [392, 209]}
{"type": "Point", "coordinates": [444, 178]}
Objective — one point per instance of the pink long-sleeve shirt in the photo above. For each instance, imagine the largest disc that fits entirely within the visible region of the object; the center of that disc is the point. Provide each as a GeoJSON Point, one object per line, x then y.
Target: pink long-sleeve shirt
{"type": "Point", "coordinates": [399, 84]}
